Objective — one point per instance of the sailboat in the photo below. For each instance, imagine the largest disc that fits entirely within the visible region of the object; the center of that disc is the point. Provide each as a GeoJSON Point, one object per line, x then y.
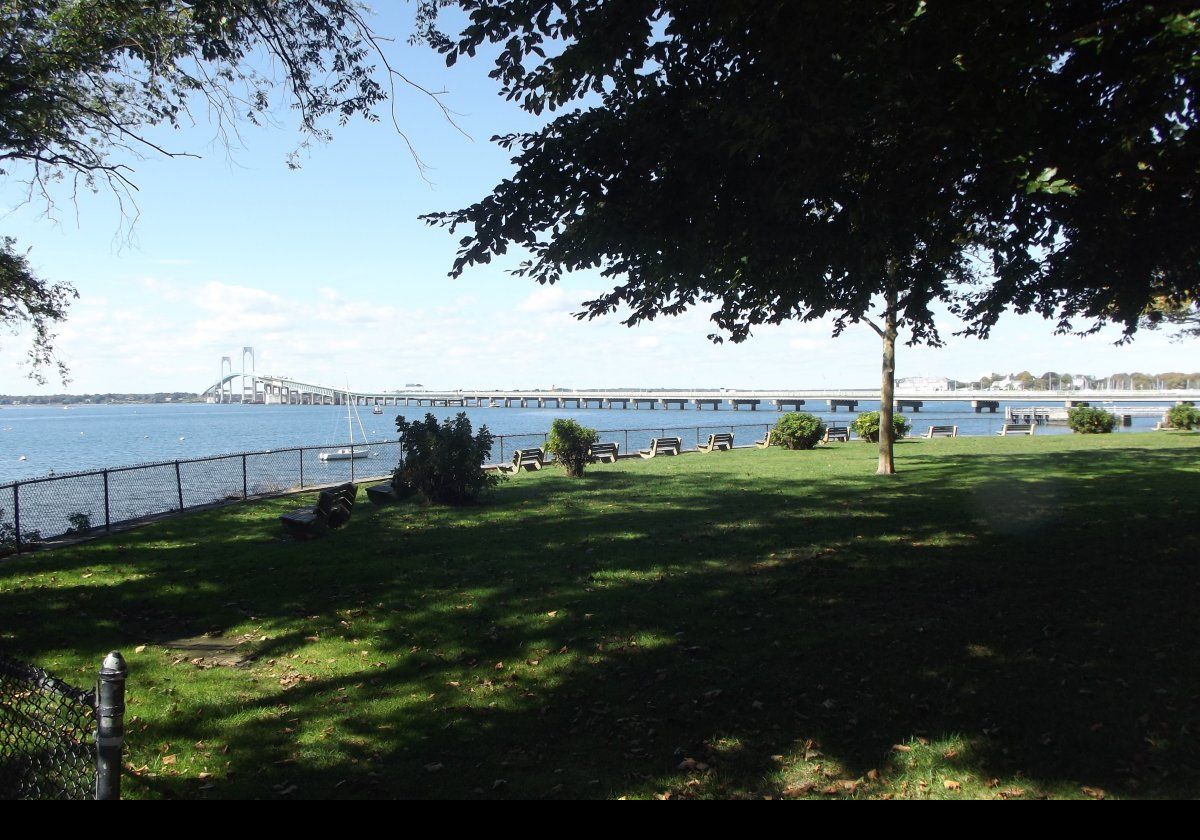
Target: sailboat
{"type": "Point", "coordinates": [350, 453]}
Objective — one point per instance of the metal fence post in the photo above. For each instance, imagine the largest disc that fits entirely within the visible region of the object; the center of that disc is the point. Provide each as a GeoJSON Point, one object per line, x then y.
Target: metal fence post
{"type": "Point", "coordinates": [107, 516]}
{"type": "Point", "coordinates": [179, 484]}
{"type": "Point", "coordinates": [245, 494]}
{"type": "Point", "coordinates": [17, 514]}
{"type": "Point", "coordinates": [110, 725]}
{"type": "Point", "coordinates": [501, 449]}
{"type": "Point", "coordinates": [302, 468]}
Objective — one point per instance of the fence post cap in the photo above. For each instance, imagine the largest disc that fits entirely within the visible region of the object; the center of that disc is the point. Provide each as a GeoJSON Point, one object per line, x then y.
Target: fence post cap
{"type": "Point", "coordinates": [113, 665]}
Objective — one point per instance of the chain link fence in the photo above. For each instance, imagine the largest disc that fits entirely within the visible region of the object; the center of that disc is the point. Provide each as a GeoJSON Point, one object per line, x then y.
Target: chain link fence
{"type": "Point", "coordinates": [81, 503]}
{"type": "Point", "coordinates": [40, 509]}
{"type": "Point", "coordinates": [58, 741]}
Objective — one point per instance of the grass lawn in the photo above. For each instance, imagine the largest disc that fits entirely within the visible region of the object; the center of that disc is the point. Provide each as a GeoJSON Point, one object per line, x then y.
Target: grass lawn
{"type": "Point", "coordinates": [1009, 617]}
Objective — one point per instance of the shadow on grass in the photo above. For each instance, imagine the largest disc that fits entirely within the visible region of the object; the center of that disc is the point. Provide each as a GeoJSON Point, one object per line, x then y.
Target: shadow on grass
{"type": "Point", "coordinates": [583, 638]}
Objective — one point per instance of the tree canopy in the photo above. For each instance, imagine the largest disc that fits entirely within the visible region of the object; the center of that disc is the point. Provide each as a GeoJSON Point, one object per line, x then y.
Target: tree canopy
{"type": "Point", "coordinates": [863, 161]}
{"type": "Point", "coordinates": [82, 81]}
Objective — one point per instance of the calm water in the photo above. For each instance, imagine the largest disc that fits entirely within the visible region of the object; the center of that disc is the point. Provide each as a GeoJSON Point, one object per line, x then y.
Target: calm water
{"type": "Point", "coordinates": [53, 439]}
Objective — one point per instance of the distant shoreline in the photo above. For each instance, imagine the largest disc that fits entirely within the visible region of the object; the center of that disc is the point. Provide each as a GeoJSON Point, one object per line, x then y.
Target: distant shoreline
{"type": "Point", "coordinates": [67, 400]}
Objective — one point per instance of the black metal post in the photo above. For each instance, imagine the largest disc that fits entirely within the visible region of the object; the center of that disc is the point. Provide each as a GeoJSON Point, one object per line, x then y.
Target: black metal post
{"type": "Point", "coordinates": [179, 484]}
{"type": "Point", "coordinates": [110, 725]}
{"type": "Point", "coordinates": [245, 494]}
{"type": "Point", "coordinates": [107, 517]}
{"type": "Point", "coordinates": [17, 514]}
{"type": "Point", "coordinates": [302, 468]}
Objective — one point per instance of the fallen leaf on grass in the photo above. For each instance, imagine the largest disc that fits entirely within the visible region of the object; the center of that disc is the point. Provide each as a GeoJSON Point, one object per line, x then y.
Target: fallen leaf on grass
{"type": "Point", "coordinates": [799, 790]}
{"type": "Point", "coordinates": [950, 784]}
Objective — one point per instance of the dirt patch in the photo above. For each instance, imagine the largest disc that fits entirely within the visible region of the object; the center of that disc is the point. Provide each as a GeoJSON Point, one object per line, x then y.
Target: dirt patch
{"type": "Point", "coordinates": [213, 651]}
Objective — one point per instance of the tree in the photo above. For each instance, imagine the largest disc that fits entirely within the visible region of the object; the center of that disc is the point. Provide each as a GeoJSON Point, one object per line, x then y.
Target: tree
{"type": "Point", "coordinates": [1183, 316]}
{"type": "Point", "coordinates": [860, 161]}
{"type": "Point", "coordinates": [28, 301]}
{"type": "Point", "coordinates": [82, 81]}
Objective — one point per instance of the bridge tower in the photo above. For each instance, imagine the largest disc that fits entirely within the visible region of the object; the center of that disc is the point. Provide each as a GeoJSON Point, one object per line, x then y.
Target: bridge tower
{"type": "Point", "coordinates": [225, 394]}
{"type": "Point", "coordinates": [249, 388]}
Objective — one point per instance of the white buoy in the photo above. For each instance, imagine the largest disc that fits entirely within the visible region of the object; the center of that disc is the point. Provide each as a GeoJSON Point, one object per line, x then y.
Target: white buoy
{"type": "Point", "coordinates": [181, 438]}
{"type": "Point", "coordinates": [22, 458]}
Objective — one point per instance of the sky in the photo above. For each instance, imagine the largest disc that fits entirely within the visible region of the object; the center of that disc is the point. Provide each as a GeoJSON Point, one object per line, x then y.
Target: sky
{"type": "Point", "coordinates": [329, 274]}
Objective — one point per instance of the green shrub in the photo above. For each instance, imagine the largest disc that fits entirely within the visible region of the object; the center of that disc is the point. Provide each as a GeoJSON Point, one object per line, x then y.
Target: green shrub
{"type": "Point", "coordinates": [1183, 417]}
{"type": "Point", "coordinates": [866, 426]}
{"type": "Point", "coordinates": [569, 443]}
{"type": "Point", "coordinates": [8, 537]}
{"type": "Point", "coordinates": [80, 522]}
{"type": "Point", "coordinates": [1091, 421]}
{"type": "Point", "coordinates": [443, 461]}
{"type": "Point", "coordinates": [798, 430]}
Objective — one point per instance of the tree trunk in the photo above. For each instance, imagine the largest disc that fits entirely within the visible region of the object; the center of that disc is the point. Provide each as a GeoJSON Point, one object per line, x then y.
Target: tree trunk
{"type": "Point", "coordinates": [887, 388]}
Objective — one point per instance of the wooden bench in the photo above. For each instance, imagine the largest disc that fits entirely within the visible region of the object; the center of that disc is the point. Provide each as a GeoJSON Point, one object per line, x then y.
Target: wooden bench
{"type": "Point", "coordinates": [942, 431]}
{"type": "Point", "coordinates": [833, 433]}
{"type": "Point", "coordinates": [765, 442]}
{"type": "Point", "coordinates": [718, 442]}
{"type": "Point", "coordinates": [334, 508]}
{"type": "Point", "coordinates": [525, 459]}
{"type": "Point", "coordinates": [1017, 429]}
{"type": "Point", "coordinates": [662, 446]}
{"type": "Point", "coordinates": [604, 452]}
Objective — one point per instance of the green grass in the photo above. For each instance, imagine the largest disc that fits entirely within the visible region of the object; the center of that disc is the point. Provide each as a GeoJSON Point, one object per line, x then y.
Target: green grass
{"type": "Point", "coordinates": [1005, 617]}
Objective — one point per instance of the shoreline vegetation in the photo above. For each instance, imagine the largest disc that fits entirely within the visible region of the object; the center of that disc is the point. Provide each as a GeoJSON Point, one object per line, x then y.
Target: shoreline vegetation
{"type": "Point", "coordinates": [100, 399]}
{"type": "Point", "coordinates": [1004, 618]}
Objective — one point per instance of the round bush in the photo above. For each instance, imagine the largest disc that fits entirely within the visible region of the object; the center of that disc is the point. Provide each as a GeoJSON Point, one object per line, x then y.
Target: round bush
{"type": "Point", "coordinates": [1091, 421]}
{"type": "Point", "coordinates": [1183, 417]}
{"type": "Point", "coordinates": [866, 426]}
{"type": "Point", "coordinates": [443, 461]}
{"type": "Point", "coordinates": [570, 443]}
{"type": "Point", "coordinates": [798, 430]}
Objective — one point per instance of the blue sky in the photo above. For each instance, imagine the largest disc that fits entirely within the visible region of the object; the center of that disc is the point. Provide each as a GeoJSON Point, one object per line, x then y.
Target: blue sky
{"type": "Point", "coordinates": [328, 273]}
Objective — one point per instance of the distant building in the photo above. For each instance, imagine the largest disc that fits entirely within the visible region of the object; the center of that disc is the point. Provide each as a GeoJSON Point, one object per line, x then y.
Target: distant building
{"type": "Point", "coordinates": [923, 384]}
{"type": "Point", "coordinates": [1008, 383]}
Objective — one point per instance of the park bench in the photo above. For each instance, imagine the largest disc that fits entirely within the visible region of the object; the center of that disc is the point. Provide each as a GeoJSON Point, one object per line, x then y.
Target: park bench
{"type": "Point", "coordinates": [765, 442]}
{"type": "Point", "coordinates": [383, 494]}
{"type": "Point", "coordinates": [662, 446]}
{"type": "Point", "coordinates": [1017, 429]}
{"type": "Point", "coordinates": [334, 508]}
{"type": "Point", "coordinates": [833, 433]}
{"type": "Point", "coordinates": [604, 452]}
{"type": "Point", "coordinates": [525, 459]}
{"type": "Point", "coordinates": [718, 442]}
{"type": "Point", "coordinates": [942, 431]}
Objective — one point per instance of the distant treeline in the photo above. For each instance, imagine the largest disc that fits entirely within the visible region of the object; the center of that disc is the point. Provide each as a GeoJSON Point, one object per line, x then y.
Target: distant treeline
{"type": "Point", "coordinates": [94, 399]}
{"type": "Point", "coordinates": [1065, 381]}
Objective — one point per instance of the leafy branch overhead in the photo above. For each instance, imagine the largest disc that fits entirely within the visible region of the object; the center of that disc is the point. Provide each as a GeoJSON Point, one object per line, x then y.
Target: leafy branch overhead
{"type": "Point", "coordinates": [83, 82]}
